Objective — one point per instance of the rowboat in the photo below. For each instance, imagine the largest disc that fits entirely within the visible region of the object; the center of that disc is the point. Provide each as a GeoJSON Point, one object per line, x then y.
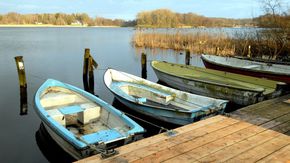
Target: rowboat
{"type": "Point", "coordinates": [271, 61]}
{"type": "Point", "coordinates": [81, 123]}
{"type": "Point", "coordinates": [272, 71]}
{"type": "Point", "coordinates": [239, 89]}
{"type": "Point", "coordinates": [160, 102]}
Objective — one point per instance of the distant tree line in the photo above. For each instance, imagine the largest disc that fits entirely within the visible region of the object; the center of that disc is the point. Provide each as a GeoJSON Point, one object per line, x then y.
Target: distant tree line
{"type": "Point", "coordinates": [167, 18]}
{"type": "Point", "coordinates": [156, 18]}
{"type": "Point", "coordinates": [61, 19]}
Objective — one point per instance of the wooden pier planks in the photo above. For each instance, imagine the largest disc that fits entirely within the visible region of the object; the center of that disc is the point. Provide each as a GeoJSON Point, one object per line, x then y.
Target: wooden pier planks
{"type": "Point", "coordinates": [212, 140]}
{"type": "Point", "coordinates": [273, 114]}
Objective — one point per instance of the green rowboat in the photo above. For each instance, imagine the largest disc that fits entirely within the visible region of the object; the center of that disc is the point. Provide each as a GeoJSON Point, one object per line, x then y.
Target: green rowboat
{"type": "Point", "coordinates": [240, 89]}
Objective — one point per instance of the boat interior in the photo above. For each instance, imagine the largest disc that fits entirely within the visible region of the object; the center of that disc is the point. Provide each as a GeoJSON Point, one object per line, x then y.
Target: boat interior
{"type": "Point", "coordinates": [247, 64]}
{"type": "Point", "coordinates": [78, 114]}
{"type": "Point", "coordinates": [219, 77]}
{"type": "Point", "coordinates": [145, 94]}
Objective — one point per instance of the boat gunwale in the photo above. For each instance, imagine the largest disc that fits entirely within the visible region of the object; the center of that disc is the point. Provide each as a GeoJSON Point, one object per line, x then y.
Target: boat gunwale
{"type": "Point", "coordinates": [203, 57]}
{"type": "Point", "coordinates": [207, 82]}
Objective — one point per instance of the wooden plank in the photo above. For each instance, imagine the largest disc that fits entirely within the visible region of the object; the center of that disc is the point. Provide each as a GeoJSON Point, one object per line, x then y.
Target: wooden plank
{"type": "Point", "coordinates": [192, 144]}
{"type": "Point", "coordinates": [264, 113]}
{"type": "Point", "coordinates": [173, 141]}
{"type": "Point", "coordinates": [262, 150]}
{"type": "Point", "coordinates": [264, 104]}
{"type": "Point", "coordinates": [281, 156]}
{"type": "Point", "coordinates": [283, 128]}
{"type": "Point", "coordinates": [236, 149]}
{"type": "Point", "coordinates": [219, 144]}
{"type": "Point", "coordinates": [277, 121]}
{"type": "Point", "coordinates": [157, 138]}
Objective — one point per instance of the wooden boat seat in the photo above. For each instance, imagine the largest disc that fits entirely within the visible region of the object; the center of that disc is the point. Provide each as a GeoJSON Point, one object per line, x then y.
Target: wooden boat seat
{"type": "Point", "coordinates": [141, 93]}
{"type": "Point", "coordinates": [57, 116]}
{"type": "Point", "coordinates": [58, 100]}
{"type": "Point", "coordinates": [84, 113]}
{"type": "Point", "coordinates": [90, 112]}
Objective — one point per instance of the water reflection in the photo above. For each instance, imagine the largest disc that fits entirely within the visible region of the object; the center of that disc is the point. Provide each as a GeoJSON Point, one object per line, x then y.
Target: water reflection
{"type": "Point", "coordinates": [49, 148]}
{"type": "Point", "coordinates": [23, 101]}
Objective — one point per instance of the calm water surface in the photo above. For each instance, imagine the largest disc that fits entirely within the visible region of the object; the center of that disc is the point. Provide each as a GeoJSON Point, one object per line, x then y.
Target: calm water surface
{"type": "Point", "coordinates": [58, 53]}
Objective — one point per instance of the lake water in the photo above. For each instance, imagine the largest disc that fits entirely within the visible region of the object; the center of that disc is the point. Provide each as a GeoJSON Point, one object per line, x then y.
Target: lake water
{"type": "Point", "coordinates": [57, 53]}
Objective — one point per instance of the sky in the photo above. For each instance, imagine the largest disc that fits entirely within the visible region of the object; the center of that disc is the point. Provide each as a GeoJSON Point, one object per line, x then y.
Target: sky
{"type": "Point", "coordinates": [128, 9]}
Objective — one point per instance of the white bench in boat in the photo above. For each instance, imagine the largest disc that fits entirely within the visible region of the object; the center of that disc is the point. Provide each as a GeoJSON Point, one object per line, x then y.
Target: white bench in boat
{"type": "Point", "coordinates": [57, 116]}
{"type": "Point", "coordinates": [91, 112]}
{"type": "Point", "coordinates": [85, 113]}
{"type": "Point", "coordinates": [252, 66]}
{"type": "Point", "coordinates": [58, 100]}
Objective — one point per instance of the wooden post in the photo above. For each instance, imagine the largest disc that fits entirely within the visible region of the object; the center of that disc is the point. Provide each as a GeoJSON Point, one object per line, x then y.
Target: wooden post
{"type": "Point", "coordinates": [187, 57]}
{"type": "Point", "coordinates": [22, 84]}
{"type": "Point", "coordinates": [144, 66]}
{"type": "Point", "coordinates": [88, 71]}
{"type": "Point", "coordinates": [249, 51]}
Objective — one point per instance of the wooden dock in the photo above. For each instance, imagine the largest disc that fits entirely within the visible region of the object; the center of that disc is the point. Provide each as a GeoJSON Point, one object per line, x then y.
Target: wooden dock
{"type": "Point", "coordinates": [216, 139]}
{"type": "Point", "coordinates": [272, 114]}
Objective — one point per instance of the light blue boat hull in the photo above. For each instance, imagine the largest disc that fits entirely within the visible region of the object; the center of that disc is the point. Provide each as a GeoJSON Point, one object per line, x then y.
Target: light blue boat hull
{"type": "Point", "coordinates": [134, 92]}
{"type": "Point", "coordinates": [67, 140]}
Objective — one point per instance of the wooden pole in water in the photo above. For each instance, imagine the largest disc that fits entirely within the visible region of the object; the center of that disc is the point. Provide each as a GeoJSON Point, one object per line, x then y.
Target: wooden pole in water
{"type": "Point", "coordinates": [22, 84]}
{"type": "Point", "coordinates": [144, 66]}
{"type": "Point", "coordinates": [88, 71]}
{"type": "Point", "coordinates": [187, 57]}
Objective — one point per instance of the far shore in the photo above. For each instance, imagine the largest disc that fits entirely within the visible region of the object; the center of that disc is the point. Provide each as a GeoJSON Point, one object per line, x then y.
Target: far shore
{"type": "Point", "coordinates": [51, 25]}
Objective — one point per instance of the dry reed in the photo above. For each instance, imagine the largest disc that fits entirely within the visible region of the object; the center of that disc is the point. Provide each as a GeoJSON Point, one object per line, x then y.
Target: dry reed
{"type": "Point", "coordinates": [258, 44]}
{"type": "Point", "coordinates": [198, 43]}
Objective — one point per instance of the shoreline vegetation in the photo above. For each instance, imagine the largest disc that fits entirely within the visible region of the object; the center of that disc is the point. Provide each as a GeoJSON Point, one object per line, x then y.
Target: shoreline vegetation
{"type": "Point", "coordinates": [52, 25]}
{"type": "Point", "coordinates": [266, 44]}
{"type": "Point", "coordinates": [272, 41]}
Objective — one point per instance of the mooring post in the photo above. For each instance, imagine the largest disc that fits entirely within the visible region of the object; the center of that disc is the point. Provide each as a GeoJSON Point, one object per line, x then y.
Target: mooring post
{"type": "Point", "coordinates": [144, 65]}
{"type": "Point", "coordinates": [88, 71]}
{"type": "Point", "coordinates": [22, 84]}
{"type": "Point", "coordinates": [187, 57]}
{"type": "Point", "coordinates": [249, 51]}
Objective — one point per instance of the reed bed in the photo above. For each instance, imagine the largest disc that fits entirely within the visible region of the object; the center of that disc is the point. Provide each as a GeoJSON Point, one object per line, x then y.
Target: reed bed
{"type": "Point", "coordinates": [258, 44]}
{"type": "Point", "coordinates": [198, 43]}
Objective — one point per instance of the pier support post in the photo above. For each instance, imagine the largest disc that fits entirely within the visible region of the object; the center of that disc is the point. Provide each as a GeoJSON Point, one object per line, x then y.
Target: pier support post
{"type": "Point", "coordinates": [144, 66]}
{"type": "Point", "coordinates": [22, 84]}
{"type": "Point", "coordinates": [88, 71]}
{"type": "Point", "coordinates": [187, 57]}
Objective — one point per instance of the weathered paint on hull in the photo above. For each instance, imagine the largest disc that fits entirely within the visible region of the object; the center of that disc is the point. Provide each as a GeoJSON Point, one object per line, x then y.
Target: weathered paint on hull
{"type": "Point", "coordinates": [241, 97]}
{"type": "Point", "coordinates": [77, 154]}
{"type": "Point", "coordinates": [248, 72]}
{"type": "Point", "coordinates": [176, 118]}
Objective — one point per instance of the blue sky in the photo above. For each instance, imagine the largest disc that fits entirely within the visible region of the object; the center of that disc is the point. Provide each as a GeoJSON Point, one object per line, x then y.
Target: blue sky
{"type": "Point", "coordinates": [127, 9]}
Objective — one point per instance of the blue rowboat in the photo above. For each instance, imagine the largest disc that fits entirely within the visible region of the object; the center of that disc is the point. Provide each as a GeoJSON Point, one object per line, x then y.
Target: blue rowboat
{"type": "Point", "coordinates": [160, 102]}
{"type": "Point", "coordinates": [81, 123]}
